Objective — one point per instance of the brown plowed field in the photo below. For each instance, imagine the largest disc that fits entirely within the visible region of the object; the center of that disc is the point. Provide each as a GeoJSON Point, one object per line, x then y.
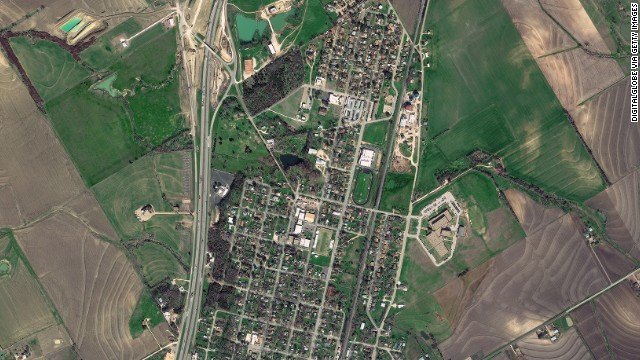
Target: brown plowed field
{"type": "Point", "coordinates": [568, 347]}
{"type": "Point", "coordinates": [531, 215]}
{"type": "Point", "coordinates": [529, 283]}
{"type": "Point", "coordinates": [605, 125]}
{"type": "Point", "coordinates": [9, 212]}
{"type": "Point", "coordinates": [619, 313]}
{"type": "Point", "coordinates": [92, 284]}
{"type": "Point", "coordinates": [409, 12]}
{"type": "Point", "coordinates": [86, 207]}
{"type": "Point", "coordinates": [615, 263]}
{"type": "Point", "coordinates": [588, 326]}
{"type": "Point", "coordinates": [621, 206]}
{"type": "Point", "coordinates": [541, 35]}
{"type": "Point", "coordinates": [12, 10]}
{"type": "Point", "coordinates": [572, 16]}
{"type": "Point", "coordinates": [576, 76]}
{"type": "Point", "coordinates": [33, 162]}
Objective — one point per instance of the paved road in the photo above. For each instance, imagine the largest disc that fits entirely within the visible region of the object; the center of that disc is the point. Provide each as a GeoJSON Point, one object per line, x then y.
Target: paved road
{"type": "Point", "coordinates": [202, 154]}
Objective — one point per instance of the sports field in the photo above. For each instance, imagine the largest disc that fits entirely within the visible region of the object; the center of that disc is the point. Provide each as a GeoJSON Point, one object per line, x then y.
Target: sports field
{"type": "Point", "coordinates": [362, 187]}
{"type": "Point", "coordinates": [51, 69]}
{"type": "Point", "coordinates": [501, 104]}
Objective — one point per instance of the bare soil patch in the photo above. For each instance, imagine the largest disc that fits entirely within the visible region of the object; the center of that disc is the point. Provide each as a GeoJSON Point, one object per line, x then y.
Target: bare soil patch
{"type": "Point", "coordinates": [620, 205]}
{"type": "Point", "coordinates": [409, 12]}
{"type": "Point", "coordinates": [9, 212]}
{"type": "Point", "coordinates": [573, 17]}
{"type": "Point", "coordinates": [523, 289]}
{"type": "Point", "coordinates": [541, 34]}
{"type": "Point", "coordinates": [86, 207]}
{"type": "Point", "coordinates": [33, 161]}
{"type": "Point", "coordinates": [93, 286]}
{"type": "Point", "coordinates": [615, 263]}
{"type": "Point", "coordinates": [531, 215]}
{"type": "Point", "coordinates": [605, 125]}
{"type": "Point", "coordinates": [619, 313]}
{"type": "Point", "coordinates": [589, 327]}
{"type": "Point", "coordinates": [569, 346]}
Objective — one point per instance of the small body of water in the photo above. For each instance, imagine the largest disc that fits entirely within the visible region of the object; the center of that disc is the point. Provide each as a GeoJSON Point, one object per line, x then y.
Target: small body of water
{"type": "Point", "coordinates": [247, 27]}
{"type": "Point", "coordinates": [107, 85]}
{"type": "Point", "coordinates": [69, 25]}
{"type": "Point", "coordinates": [289, 160]}
{"type": "Point", "coordinates": [280, 20]}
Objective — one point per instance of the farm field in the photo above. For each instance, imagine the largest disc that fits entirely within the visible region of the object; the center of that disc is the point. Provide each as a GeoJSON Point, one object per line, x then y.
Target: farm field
{"type": "Point", "coordinates": [530, 126]}
{"type": "Point", "coordinates": [409, 12]}
{"type": "Point", "coordinates": [144, 182]}
{"type": "Point", "coordinates": [620, 206]}
{"type": "Point", "coordinates": [35, 173]}
{"type": "Point", "coordinates": [52, 69]}
{"type": "Point", "coordinates": [615, 144]}
{"type": "Point", "coordinates": [25, 310]}
{"type": "Point", "coordinates": [569, 346]}
{"type": "Point", "coordinates": [531, 215]}
{"type": "Point", "coordinates": [93, 286]}
{"type": "Point", "coordinates": [157, 264]}
{"type": "Point", "coordinates": [316, 21]}
{"type": "Point", "coordinates": [13, 10]}
{"type": "Point", "coordinates": [529, 270]}
{"type": "Point", "coordinates": [103, 53]}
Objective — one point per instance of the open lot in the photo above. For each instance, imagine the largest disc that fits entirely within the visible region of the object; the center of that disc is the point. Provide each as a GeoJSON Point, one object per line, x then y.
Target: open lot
{"type": "Point", "coordinates": [396, 194]}
{"type": "Point", "coordinates": [506, 94]}
{"type": "Point", "coordinates": [376, 133]}
{"type": "Point", "coordinates": [409, 12]}
{"type": "Point", "coordinates": [51, 69]}
{"type": "Point", "coordinates": [93, 286]}
{"type": "Point", "coordinates": [522, 289]}
{"type": "Point", "coordinates": [35, 173]}
{"type": "Point", "coordinates": [25, 310]}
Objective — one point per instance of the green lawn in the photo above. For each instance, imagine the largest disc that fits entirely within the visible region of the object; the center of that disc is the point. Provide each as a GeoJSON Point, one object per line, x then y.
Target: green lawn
{"type": "Point", "coordinates": [52, 69]}
{"type": "Point", "coordinates": [316, 21]}
{"type": "Point", "coordinates": [324, 241]}
{"type": "Point", "coordinates": [362, 187]}
{"type": "Point", "coordinates": [501, 104]}
{"type": "Point", "coordinates": [102, 53]}
{"type": "Point", "coordinates": [376, 133]}
{"type": "Point", "coordinates": [146, 308]}
{"type": "Point", "coordinates": [141, 183]}
{"type": "Point", "coordinates": [396, 194]}
{"type": "Point", "coordinates": [95, 130]}
{"type": "Point", "coordinates": [290, 105]}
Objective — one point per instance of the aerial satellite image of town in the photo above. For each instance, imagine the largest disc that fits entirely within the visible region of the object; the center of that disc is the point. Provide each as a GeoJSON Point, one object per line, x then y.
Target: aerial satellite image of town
{"type": "Point", "coordinates": [319, 179]}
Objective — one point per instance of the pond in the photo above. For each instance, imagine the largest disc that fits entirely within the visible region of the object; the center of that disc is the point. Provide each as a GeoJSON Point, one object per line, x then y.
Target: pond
{"type": "Point", "coordinates": [289, 160]}
{"type": "Point", "coordinates": [69, 25]}
{"type": "Point", "coordinates": [280, 20]}
{"type": "Point", "coordinates": [247, 27]}
{"type": "Point", "coordinates": [107, 85]}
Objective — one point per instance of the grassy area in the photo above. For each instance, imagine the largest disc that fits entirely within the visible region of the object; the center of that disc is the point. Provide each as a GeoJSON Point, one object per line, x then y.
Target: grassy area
{"type": "Point", "coordinates": [362, 187]}
{"type": "Point", "coordinates": [157, 113]}
{"type": "Point", "coordinates": [324, 242]}
{"type": "Point", "coordinates": [315, 22]}
{"type": "Point", "coordinates": [249, 5]}
{"type": "Point", "coordinates": [501, 104]}
{"type": "Point", "coordinates": [103, 53]}
{"type": "Point", "coordinates": [96, 131]}
{"type": "Point", "coordinates": [376, 133]}
{"type": "Point", "coordinates": [146, 308]}
{"type": "Point", "coordinates": [52, 69]}
{"type": "Point", "coordinates": [290, 105]}
{"type": "Point", "coordinates": [144, 182]}
{"type": "Point", "coordinates": [157, 264]}
{"type": "Point", "coordinates": [396, 194]}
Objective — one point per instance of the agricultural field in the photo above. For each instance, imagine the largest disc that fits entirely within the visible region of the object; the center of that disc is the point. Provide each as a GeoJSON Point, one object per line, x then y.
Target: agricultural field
{"type": "Point", "coordinates": [156, 180]}
{"type": "Point", "coordinates": [25, 309]}
{"type": "Point", "coordinates": [521, 289]}
{"type": "Point", "coordinates": [569, 346]}
{"type": "Point", "coordinates": [315, 21]}
{"type": "Point", "coordinates": [620, 207]}
{"type": "Point", "coordinates": [508, 120]}
{"type": "Point", "coordinates": [615, 144]}
{"type": "Point", "coordinates": [92, 285]}
{"type": "Point", "coordinates": [35, 173]}
{"type": "Point", "coordinates": [610, 323]}
{"type": "Point", "coordinates": [52, 70]}
{"type": "Point", "coordinates": [103, 53]}
{"type": "Point", "coordinates": [410, 12]}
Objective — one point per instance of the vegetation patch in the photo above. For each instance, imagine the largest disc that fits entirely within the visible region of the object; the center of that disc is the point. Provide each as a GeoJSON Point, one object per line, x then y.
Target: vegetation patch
{"type": "Point", "coordinates": [376, 133]}
{"type": "Point", "coordinates": [273, 82]}
{"type": "Point", "coordinates": [362, 187]}
{"type": "Point", "coordinates": [147, 310]}
{"type": "Point", "coordinates": [396, 194]}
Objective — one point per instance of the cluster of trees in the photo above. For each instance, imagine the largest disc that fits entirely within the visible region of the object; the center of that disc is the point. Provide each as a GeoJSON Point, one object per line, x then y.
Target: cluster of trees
{"type": "Point", "coordinates": [274, 82]}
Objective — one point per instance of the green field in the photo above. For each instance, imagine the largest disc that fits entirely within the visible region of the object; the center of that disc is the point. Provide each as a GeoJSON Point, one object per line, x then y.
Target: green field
{"type": "Point", "coordinates": [151, 180]}
{"type": "Point", "coordinates": [396, 194]}
{"type": "Point", "coordinates": [362, 187]}
{"type": "Point", "coordinates": [290, 105]}
{"type": "Point", "coordinates": [146, 308]}
{"type": "Point", "coordinates": [376, 133]}
{"type": "Point", "coordinates": [102, 53]}
{"type": "Point", "coordinates": [501, 104]}
{"type": "Point", "coordinates": [24, 309]}
{"type": "Point", "coordinates": [324, 241]}
{"type": "Point", "coordinates": [96, 131]}
{"type": "Point", "coordinates": [52, 69]}
{"type": "Point", "coordinates": [316, 21]}
{"type": "Point", "coordinates": [249, 5]}
{"type": "Point", "coordinates": [280, 20]}
{"type": "Point", "coordinates": [157, 264]}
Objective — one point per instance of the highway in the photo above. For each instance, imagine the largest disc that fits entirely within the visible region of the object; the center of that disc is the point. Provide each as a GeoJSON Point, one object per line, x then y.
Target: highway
{"type": "Point", "coordinates": [202, 189]}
